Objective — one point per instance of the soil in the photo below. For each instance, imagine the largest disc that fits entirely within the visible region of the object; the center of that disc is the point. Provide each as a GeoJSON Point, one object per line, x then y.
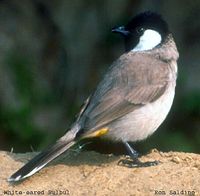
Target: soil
{"type": "Point", "coordinates": [90, 173]}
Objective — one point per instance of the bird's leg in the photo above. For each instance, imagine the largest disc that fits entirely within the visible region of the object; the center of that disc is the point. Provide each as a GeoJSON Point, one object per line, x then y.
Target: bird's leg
{"type": "Point", "coordinates": [135, 162]}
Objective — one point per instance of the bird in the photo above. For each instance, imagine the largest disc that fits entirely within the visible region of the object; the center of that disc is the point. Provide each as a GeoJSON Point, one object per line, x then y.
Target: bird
{"type": "Point", "coordinates": [132, 99]}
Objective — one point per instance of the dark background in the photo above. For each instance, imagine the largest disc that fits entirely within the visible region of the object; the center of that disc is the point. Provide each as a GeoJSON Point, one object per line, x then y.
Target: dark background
{"type": "Point", "coordinates": [53, 53]}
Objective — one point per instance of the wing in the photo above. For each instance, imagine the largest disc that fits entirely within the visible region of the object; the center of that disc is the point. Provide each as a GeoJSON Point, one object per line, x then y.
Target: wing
{"type": "Point", "coordinates": [134, 80]}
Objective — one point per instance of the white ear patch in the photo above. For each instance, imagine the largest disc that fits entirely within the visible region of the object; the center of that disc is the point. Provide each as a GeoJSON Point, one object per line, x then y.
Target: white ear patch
{"type": "Point", "coordinates": [148, 40]}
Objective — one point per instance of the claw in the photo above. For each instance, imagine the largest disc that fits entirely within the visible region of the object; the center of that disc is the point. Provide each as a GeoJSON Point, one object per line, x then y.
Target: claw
{"type": "Point", "coordinates": [136, 163]}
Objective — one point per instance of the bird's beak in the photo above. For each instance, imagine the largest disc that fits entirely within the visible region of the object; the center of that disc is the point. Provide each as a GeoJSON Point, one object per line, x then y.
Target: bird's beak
{"type": "Point", "coordinates": [122, 30]}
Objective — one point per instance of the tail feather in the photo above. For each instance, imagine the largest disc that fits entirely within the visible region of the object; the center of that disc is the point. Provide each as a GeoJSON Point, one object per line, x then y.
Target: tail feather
{"type": "Point", "coordinates": [42, 159]}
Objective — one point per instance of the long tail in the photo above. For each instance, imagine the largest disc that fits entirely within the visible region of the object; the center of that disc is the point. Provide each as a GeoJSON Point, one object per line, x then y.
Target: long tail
{"type": "Point", "coordinates": [43, 158]}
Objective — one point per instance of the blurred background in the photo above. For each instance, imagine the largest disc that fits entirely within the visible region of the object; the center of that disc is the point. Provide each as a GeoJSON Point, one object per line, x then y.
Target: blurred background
{"type": "Point", "coordinates": [53, 53]}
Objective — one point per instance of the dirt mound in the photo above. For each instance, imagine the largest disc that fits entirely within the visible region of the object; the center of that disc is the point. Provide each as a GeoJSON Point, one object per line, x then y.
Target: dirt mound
{"type": "Point", "coordinates": [91, 173]}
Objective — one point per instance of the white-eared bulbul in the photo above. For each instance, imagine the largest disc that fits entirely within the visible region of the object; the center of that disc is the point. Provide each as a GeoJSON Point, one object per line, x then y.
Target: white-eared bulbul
{"type": "Point", "coordinates": [133, 98]}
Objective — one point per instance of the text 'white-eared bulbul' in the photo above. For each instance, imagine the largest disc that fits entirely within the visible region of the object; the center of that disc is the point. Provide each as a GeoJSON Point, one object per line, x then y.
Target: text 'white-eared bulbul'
{"type": "Point", "coordinates": [133, 98]}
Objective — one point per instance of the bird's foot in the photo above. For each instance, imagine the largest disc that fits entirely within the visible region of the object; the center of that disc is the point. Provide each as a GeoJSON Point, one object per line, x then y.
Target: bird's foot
{"type": "Point", "coordinates": [135, 163]}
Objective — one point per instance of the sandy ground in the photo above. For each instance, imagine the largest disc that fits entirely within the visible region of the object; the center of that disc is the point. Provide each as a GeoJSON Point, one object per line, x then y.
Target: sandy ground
{"type": "Point", "coordinates": [91, 173]}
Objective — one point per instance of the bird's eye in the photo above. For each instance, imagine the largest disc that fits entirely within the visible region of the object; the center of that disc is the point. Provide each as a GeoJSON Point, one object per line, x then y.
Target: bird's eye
{"type": "Point", "coordinates": [140, 30]}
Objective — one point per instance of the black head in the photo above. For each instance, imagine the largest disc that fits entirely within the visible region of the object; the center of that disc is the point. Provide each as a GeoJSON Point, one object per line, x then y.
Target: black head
{"type": "Point", "coordinates": [149, 24]}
